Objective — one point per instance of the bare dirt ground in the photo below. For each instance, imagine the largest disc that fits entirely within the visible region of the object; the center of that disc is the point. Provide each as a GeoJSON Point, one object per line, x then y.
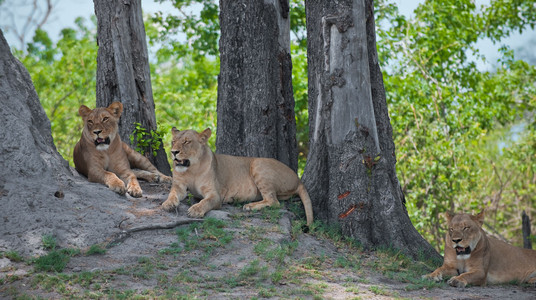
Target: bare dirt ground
{"type": "Point", "coordinates": [232, 254]}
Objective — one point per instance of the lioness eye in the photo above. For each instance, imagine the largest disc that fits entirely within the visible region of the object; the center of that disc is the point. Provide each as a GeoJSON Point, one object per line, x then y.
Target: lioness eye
{"type": "Point", "coordinates": [105, 119]}
{"type": "Point", "coordinates": [465, 228]}
{"type": "Point", "coordinates": [90, 122]}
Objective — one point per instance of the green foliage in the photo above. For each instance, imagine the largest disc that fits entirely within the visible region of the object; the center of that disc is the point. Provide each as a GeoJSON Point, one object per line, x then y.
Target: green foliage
{"type": "Point", "coordinates": [64, 78]}
{"type": "Point", "coordinates": [146, 139]}
{"type": "Point", "coordinates": [444, 110]}
{"type": "Point", "coordinates": [202, 30]}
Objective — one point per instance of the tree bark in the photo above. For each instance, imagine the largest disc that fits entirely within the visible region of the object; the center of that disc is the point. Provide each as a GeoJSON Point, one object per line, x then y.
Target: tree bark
{"type": "Point", "coordinates": [350, 172]}
{"type": "Point", "coordinates": [123, 72]}
{"type": "Point", "coordinates": [255, 98]}
{"type": "Point", "coordinates": [525, 228]}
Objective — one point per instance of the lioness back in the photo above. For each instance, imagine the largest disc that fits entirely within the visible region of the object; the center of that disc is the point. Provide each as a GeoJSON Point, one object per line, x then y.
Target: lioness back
{"type": "Point", "coordinates": [237, 175]}
{"type": "Point", "coordinates": [510, 264]}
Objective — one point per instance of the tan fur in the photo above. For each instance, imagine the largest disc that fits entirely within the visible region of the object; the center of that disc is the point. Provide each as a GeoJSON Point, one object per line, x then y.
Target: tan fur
{"type": "Point", "coordinates": [105, 162]}
{"type": "Point", "coordinates": [490, 261]}
{"type": "Point", "coordinates": [218, 178]}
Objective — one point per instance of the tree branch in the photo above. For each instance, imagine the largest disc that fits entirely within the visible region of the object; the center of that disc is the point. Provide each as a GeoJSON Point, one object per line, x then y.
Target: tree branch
{"type": "Point", "coordinates": [123, 235]}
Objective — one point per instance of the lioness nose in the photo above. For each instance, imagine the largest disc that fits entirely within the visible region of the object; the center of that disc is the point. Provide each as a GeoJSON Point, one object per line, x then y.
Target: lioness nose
{"type": "Point", "coordinates": [175, 152]}
{"type": "Point", "coordinates": [97, 131]}
{"type": "Point", "coordinates": [456, 240]}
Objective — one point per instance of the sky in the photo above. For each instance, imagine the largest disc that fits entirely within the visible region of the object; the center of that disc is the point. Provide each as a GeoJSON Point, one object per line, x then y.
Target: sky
{"type": "Point", "coordinates": [66, 11]}
{"type": "Point", "coordinates": [64, 14]}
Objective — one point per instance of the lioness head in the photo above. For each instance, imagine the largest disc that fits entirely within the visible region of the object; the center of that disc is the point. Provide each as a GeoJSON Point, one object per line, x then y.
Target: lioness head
{"type": "Point", "coordinates": [100, 124]}
{"type": "Point", "coordinates": [187, 147]}
{"type": "Point", "coordinates": [464, 233]}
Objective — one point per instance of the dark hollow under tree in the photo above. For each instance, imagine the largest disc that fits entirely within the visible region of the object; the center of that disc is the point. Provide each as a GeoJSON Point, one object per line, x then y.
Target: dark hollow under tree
{"type": "Point", "coordinates": [123, 72]}
{"type": "Point", "coordinates": [350, 172]}
{"type": "Point", "coordinates": [255, 97]}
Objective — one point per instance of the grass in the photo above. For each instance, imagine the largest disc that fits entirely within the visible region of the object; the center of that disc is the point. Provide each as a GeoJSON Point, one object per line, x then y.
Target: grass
{"type": "Point", "coordinates": [12, 255]}
{"type": "Point", "coordinates": [54, 261]}
{"type": "Point", "coordinates": [278, 266]}
{"type": "Point", "coordinates": [96, 250]}
{"type": "Point", "coordinates": [49, 242]}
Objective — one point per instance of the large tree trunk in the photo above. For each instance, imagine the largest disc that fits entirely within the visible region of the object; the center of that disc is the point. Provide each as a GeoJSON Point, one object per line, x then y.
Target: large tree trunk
{"type": "Point", "coordinates": [123, 72]}
{"type": "Point", "coordinates": [350, 171]}
{"type": "Point", "coordinates": [255, 98]}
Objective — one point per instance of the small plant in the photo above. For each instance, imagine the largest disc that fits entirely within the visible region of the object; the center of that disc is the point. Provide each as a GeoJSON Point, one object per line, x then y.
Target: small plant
{"type": "Point", "coordinates": [378, 290]}
{"type": "Point", "coordinates": [13, 256]}
{"type": "Point", "coordinates": [96, 249]}
{"type": "Point", "coordinates": [146, 139]}
{"type": "Point", "coordinates": [271, 214]}
{"type": "Point", "coordinates": [54, 261]}
{"type": "Point", "coordinates": [277, 276]}
{"type": "Point", "coordinates": [49, 242]}
{"type": "Point", "coordinates": [207, 236]}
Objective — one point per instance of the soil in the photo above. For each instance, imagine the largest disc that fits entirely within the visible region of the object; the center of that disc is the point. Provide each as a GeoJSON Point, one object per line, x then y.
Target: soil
{"type": "Point", "coordinates": [145, 257]}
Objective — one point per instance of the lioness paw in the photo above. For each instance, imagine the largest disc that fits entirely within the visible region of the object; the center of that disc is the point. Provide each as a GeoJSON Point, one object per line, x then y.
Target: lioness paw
{"type": "Point", "coordinates": [455, 282]}
{"type": "Point", "coordinates": [134, 190]}
{"type": "Point", "coordinates": [117, 186]}
{"type": "Point", "coordinates": [196, 211]}
{"type": "Point", "coordinates": [164, 179]}
{"type": "Point", "coordinates": [431, 276]}
{"type": "Point", "coordinates": [169, 204]}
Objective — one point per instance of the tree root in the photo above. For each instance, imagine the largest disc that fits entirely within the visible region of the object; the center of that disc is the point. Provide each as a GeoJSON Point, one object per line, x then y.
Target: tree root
{"type": "Point", "coordinates": [121, 236]}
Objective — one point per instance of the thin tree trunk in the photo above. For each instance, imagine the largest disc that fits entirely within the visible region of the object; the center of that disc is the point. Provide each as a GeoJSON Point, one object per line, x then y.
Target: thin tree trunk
{"type": "Point", "coordinates": [123, 72]}
{"type": "Point", "coordinates": [350, 171]}
{"type": "Point", "coordinates": [525, 222]}
{"type": "Point", "coordinates": [255, 97]}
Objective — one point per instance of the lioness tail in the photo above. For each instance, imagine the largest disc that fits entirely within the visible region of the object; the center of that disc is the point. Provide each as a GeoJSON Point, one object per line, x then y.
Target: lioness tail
{"type": "Point", "coordinates": [304, 196]}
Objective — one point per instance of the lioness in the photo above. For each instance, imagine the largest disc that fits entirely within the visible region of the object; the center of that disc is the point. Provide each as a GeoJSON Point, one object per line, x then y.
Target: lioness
{"type": "Point", "coordinates": [101, 156]}
{"type": "Point", "coordinates": [219, 178]}
{"type": "Point", "coordinates": [474, 258]}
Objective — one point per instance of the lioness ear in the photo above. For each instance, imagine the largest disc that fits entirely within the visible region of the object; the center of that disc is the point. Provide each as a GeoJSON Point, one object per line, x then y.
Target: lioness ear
{"type": "Point", "coordinates": [205, 135]}
{"type": "Point", "coordinates": [480, 217]}
{"type": "Point", "coordinates": [116, 108]}
{"type": "Point", "coordinates": [449, 216]}
{"type": "Point", "coordinates": [174, 130]}
{"type": "Point", "coordinates": [84, 111]}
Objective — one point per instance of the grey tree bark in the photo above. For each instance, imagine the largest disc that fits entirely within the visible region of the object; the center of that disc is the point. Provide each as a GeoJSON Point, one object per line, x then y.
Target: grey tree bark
{"type": "Point", "coordinates": [123, 72]}
{"type": "Point", "coordinates": [525, 229]}
{"type": "Point", "coordinates": [255, 98]}
{"type": "Point", "coordinates": [350, 172]}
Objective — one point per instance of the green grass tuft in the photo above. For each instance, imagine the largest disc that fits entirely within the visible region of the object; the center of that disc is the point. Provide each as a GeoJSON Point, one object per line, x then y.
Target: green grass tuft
{"type": "Point", "coordinates": [95, 250]}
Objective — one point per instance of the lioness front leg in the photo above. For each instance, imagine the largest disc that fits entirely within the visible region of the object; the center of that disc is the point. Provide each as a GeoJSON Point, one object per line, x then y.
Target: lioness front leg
{"type": "Point", "coordinates": [210, 202]}
{"type": "Point", "coordinates": [107, 178]}
{"type": "Point", "coordinates": [133, 186]}
{"type": "Point", "coordinates": [437, 275]}
{"type": "Point", "coordinates": [176, 194]}
{"type": "Point", "coordinates": [475, 278]}
{"type": "Point", "coordinates": [147, 171]}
